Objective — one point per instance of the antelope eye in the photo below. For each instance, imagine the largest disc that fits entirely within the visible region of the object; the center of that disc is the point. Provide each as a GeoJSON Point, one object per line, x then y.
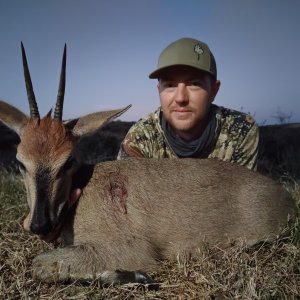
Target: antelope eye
{"type": "Point", "coordinates": [22, 168]}
{"type": "Point", "coordinates": [69, 164]}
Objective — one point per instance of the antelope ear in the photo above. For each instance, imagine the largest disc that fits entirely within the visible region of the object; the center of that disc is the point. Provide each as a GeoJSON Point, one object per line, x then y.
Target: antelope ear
{"type": "Point", "coordinates": [90, 123]}
{"type": "Point", "coordinates": [12, 117]}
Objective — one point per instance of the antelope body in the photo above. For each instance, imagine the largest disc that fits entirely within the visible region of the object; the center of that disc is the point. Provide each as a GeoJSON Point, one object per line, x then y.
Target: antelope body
{"type": "Point", "coordinates": [132, 213]}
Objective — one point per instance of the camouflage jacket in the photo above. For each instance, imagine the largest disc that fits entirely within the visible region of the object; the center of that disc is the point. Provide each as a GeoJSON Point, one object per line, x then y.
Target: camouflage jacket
{"type": "Point", "coordinates": [236, 139]}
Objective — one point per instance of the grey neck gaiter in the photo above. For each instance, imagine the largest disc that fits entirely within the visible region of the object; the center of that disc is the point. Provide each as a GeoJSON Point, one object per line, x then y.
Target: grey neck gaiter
{"type": "Point", "coordinates": [197, 147]}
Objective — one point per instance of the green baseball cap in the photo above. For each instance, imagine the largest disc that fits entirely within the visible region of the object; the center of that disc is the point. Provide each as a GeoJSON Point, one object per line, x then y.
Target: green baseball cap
{"type": "Point", "coordinates": [186, 52]}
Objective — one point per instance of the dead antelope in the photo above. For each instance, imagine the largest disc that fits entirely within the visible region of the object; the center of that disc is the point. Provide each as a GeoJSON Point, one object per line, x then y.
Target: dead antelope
{"type": "Point", "coordinates": [132, 213]}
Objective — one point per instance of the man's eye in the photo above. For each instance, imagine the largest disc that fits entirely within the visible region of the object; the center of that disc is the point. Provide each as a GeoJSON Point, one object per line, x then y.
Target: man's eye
{"type": "Point", "coordinates": [196, 83]}
{"type": "Point", "coordinates": [168, 85]}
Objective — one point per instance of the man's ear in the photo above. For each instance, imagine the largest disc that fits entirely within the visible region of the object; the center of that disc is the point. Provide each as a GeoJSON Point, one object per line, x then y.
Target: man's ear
{"type": "Point", "coordinates": [215, 88]}
{"type": "Point", "coordinates": [157, 85]}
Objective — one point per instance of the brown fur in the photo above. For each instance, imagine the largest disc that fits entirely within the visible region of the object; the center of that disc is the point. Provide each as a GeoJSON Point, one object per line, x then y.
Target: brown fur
{"type": "Point", "coordinates": [172, 206]}
{"type": "Point", "coordinates": [51, 134]}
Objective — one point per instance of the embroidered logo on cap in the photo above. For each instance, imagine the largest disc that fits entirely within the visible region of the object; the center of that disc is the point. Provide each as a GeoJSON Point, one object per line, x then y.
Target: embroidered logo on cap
{"type": "Point", "coordinates": [198, 50]}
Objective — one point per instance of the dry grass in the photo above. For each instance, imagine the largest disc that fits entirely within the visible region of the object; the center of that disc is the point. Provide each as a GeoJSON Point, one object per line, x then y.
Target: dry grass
{"type": "Point", "coordinates": [266, 271]}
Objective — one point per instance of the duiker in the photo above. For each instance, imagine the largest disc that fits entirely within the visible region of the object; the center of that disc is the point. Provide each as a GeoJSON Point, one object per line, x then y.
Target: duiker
{"type": "Point", "coordinates": [132, 213]}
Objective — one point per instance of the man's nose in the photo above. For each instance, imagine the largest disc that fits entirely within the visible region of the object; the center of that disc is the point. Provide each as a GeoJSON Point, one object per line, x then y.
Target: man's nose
{"type": "Point", "coordinates": [181, 95]}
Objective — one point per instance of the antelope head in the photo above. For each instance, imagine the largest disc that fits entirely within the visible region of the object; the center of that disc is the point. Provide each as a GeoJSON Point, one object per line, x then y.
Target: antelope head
{"type": "Point", "coordinates": [47, 151]}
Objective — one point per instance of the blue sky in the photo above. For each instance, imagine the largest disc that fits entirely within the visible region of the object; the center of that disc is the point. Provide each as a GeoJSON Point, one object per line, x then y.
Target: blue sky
{"type": "Point", "coordinates": [113, 45]}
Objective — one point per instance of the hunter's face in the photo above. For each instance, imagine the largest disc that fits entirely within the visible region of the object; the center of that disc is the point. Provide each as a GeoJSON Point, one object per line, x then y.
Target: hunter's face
{"type": "Point", "coordinates": [186, 95]}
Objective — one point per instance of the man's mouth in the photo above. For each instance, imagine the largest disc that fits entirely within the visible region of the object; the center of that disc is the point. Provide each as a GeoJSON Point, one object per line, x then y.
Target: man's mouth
{"type": "Point", "coordinates": [182, 113]}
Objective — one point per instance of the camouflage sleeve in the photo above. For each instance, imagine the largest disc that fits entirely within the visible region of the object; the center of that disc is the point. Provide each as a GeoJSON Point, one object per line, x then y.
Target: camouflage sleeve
{"type": "Point", "coordinates": [245, 153]}
{"type": "Point", "coordinates": [237, 140]}
{"type": "Point", "coordinates": [145, 139]}
{"type": "Point", "coordinates": [139, 140]}
{"type": "Point", "coordinates": [129, 148]}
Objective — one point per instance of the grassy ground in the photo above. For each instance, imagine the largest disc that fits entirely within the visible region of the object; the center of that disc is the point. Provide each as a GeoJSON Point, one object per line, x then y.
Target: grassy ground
{"type": "Point", "coordinates": [267, 271]}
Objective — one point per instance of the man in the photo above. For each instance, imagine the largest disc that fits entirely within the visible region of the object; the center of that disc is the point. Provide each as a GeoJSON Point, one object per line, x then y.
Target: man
{"type": "Point", "coordinates": [187, 124]}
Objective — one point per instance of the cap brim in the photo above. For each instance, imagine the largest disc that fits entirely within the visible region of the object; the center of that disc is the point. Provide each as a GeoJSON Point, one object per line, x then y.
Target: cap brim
{"type": "Point", "coordinates": [159, 72]}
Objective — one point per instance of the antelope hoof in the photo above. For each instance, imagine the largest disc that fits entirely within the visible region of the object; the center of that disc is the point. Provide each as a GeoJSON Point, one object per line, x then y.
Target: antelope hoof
{"type": "Point", "coordinates": [48, 268]}
{"type": "Point", "coordinates": [117, 277]}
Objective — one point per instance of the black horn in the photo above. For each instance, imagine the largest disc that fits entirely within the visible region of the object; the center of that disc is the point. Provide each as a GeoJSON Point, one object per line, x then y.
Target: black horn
{"type": "Point", "coordinates": [61, 90]}
{"type": "Point", "coordinates": [34, 111]}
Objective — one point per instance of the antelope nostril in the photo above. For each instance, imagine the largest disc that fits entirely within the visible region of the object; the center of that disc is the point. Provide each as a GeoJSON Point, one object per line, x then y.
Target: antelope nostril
{"type": "Point", "coordinates": [37, 228]}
